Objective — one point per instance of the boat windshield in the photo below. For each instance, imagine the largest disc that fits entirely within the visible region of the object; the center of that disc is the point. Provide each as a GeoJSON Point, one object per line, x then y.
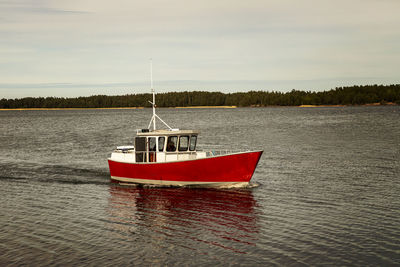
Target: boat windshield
{"type": "Point", "coordinates": [171, 144]}
{"type": "Point", "coordinates": [161, 141]}
{"type": "Point", "coordinates": [183, 143]}
{"type": "Point", "coordinates": [152, 144]}
{"type": "Point", "coordinates": [193, 140]}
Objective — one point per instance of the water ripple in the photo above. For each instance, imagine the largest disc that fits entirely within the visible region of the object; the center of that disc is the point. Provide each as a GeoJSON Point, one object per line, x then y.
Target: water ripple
{"type": "Point", "coordinates": [325, 192]}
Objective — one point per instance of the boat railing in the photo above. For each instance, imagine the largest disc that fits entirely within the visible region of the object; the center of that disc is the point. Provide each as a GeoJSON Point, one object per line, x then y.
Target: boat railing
{"type": "Point", "coordinates": [209, 152]}
{"type": "Point", "coordinates": [221, 152]}
{"type": "Point", "coordinates": [124, 151]}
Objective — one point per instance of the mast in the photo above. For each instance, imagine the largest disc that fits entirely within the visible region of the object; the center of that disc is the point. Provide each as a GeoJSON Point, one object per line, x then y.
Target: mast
{"type": "Point", "coordinates": [154, 95]}
{"type": "Point", "coordinates": [153, 118]}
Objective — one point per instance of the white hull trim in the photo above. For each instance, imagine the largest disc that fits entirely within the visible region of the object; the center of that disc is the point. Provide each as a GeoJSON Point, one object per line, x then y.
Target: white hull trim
{"type": "Point", "coordinates": [178, 183]}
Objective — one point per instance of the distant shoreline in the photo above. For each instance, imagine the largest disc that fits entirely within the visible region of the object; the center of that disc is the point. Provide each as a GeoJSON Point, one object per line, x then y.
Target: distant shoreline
{"type": "Point", "coordinates": [3, 109]}
{"type": "Point", "coordinates": [363, 105]}
{"type": "Point", "coordinates": [213, 107]}
{"type": "Point", "coordinates": [341, 96]}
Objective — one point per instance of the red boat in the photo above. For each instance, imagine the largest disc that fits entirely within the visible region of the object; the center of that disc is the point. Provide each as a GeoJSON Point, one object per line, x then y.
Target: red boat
{"type": "Point", "coordinates": [169, 157]}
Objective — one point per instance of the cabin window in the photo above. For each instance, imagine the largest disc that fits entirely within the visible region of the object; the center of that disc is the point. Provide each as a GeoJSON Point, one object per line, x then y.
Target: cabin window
{"type": "Point", "coordinates": [152, 147]}
{"type": "Point", "coordinates": [183, 143]}
{"type": "Point", "coordinates": [171, 144]}
{"type": "Point", "coordinates": [140, 143]}
{"type": "Point", "coordinates": [161, 141]}
{"type": "Point", "coordinates": [140, 146]}
{"type": "Point", "coordinates": [152, 143]}
{"type": "Point", "coordinates": [193, 140]}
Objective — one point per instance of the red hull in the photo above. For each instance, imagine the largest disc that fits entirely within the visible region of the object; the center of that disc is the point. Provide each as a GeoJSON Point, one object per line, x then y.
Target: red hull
{"type": "Point", "coordinates": [234, 168]}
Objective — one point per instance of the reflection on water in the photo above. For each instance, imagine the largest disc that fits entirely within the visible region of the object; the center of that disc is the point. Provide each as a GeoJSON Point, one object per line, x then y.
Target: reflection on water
{"type": "Point", "coordinates": [183, 217]}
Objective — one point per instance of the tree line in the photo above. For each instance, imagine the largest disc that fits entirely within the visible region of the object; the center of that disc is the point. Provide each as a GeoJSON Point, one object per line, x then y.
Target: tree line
{"type": "Point", "coordinates": [351, 95]}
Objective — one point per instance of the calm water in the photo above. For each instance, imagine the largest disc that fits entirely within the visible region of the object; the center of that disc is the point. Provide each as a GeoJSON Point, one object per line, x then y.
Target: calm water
{"type": "Point", "coordinates": [326, 190]}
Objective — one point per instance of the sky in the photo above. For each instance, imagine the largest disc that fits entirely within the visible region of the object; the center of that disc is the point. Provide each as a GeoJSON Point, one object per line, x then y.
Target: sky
{"type": "Point", "coordinates": [69, 48]}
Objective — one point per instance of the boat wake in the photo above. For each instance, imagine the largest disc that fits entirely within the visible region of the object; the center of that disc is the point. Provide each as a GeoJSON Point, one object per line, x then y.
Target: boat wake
{"type": "Point", "coordinates": [26, 171]}
{"type": "Point", "coordinates": [229, 186]}
{"type": "Point", "coordinates": [253, 185]}
{"type": "Point", "coordinates": [239, 185]}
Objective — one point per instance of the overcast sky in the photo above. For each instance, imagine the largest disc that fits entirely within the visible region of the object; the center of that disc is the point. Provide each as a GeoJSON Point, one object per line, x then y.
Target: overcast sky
{"type": "Point", "coordinates": [86, 47]}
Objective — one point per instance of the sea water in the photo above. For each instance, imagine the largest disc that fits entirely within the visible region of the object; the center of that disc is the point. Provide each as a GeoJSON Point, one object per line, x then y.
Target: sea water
{"type": "Point", "coordinates": [326, 190]}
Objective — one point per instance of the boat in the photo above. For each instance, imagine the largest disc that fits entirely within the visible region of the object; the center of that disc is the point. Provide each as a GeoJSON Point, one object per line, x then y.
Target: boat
{"type": "Point", "coordinates": [169, 157]}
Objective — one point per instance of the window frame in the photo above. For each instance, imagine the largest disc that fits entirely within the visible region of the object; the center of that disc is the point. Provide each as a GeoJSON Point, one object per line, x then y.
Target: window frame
{"type": "Point", "coordinates": [190, 142]}
{"type": "Point", "coordinates": [155, 143]}
{"type": "Point", "coordinates": [183, 149]}
{"type": "Point", "coordinates": [176, 143]}
{"type": "Point", "coordinates": [162, 143]}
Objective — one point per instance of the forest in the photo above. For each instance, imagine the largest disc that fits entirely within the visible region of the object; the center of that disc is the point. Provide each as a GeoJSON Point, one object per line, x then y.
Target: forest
{"type": "Point", "coordinates": [351, 95]}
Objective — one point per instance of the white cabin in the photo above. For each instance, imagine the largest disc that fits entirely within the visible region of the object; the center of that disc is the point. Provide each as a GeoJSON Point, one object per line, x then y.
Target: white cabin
{"type": "Point", "coordinates": [160, 146]}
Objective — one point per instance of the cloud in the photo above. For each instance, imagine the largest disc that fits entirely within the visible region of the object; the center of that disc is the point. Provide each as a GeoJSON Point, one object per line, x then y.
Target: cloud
{"type": "Point", "coordinates": [95, 42]}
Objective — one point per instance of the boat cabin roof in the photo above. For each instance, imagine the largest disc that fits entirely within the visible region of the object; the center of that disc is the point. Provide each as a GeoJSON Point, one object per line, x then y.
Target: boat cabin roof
{"type": "Point", "coordinates": [166, 132]}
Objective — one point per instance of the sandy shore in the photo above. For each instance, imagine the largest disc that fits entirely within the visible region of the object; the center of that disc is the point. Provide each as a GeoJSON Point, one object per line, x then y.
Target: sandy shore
{"type": "Point", "coordinates": [320, 106]}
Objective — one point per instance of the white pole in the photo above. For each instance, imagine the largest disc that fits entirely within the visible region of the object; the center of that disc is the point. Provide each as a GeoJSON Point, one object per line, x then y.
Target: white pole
{"type": "Point", "coordinates": [154, 96]}
{"type": "Point", "coordinates": [155, 116]}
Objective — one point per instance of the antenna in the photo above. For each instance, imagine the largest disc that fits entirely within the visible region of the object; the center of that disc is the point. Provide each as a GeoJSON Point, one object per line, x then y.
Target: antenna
{"type": "Point", "coordinates": [153, 118]}
{"type": "Point", "coordinates": [154, 95]}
